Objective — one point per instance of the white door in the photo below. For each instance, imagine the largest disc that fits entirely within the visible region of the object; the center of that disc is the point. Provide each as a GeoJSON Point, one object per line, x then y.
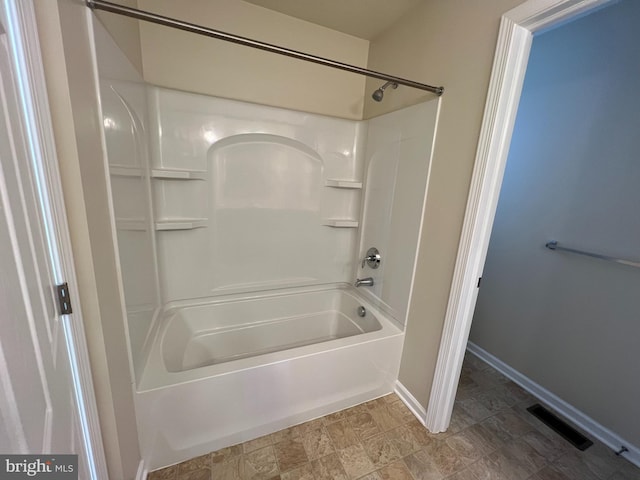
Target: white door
{"type": "Point", "coordinates": [42, 409]}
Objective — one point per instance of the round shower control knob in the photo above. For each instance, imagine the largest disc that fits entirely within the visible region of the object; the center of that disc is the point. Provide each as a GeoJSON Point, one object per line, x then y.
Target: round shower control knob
{"type": "Point", "coordinates": [372, 259]}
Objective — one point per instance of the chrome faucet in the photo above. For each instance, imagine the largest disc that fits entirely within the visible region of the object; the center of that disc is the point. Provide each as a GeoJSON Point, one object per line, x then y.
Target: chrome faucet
{"type": "Point", "coordinates": [367, 282]}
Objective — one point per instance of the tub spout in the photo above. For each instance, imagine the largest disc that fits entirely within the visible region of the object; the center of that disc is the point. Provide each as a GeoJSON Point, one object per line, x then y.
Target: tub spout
{"type": "Point", "coordinates": [367, 282]}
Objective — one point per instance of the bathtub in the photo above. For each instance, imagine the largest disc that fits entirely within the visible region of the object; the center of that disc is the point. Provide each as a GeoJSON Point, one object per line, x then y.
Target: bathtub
{"type": "Point", "coordinates": [225, 371]}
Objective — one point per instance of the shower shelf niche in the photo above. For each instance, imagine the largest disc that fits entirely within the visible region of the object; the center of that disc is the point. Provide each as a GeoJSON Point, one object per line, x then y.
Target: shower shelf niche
{"type": "Point", "coordinates": [163, 174]}
{"type": "Point", "coordinates": [338, 183]}
{"type": "Point", "coordinates": [341, 223]}
{"type": "Point", "coordinates": [180, 224]}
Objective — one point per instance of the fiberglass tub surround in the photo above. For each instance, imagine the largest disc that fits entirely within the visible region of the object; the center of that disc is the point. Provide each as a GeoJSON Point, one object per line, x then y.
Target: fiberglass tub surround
{"type": "Point", "coordinates": [274, 199]}
{"type": "Point", "coordinates": [242, 228]}
{"type": "Point", "coordinates": [126, 122]}
{"type": "Point", "coordinates": [266, 213]}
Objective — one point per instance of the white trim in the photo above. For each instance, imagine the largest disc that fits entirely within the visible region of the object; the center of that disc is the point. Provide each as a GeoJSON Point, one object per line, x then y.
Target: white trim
{"type": "Point", "coordinates": [34, 86]}
{"type": "Point", "coordinates": [410, 401]}
{"type": "Point", "coordinates": [510, 63]}
{"type": "Point", "coordinates": [564, 409]}
{"type": "Point", "coordinates": [142, 471]}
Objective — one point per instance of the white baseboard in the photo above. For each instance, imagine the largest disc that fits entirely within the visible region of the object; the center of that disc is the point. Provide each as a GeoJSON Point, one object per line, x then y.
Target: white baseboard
{"type": "Point", "coordinates": [575, 416]}
{"type": "Point", "coordinates": [410, 401]}
{"type": "Point", "coordinates": [142, 471]}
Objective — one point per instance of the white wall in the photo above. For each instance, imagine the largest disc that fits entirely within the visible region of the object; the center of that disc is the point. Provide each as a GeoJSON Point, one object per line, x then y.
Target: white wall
{"type": "Point", "coordinates": [259, 213]}
{"type": "Point", "coordinates": [568, 322]}
{"type": "Point", "coordinates": [398, 156]}
{"type": "Point", "coordinates": [194, 63]}
{"type": "Point", "coordinates": [123, 96]}
{"type": "Point", "coordinates": [262, 210]}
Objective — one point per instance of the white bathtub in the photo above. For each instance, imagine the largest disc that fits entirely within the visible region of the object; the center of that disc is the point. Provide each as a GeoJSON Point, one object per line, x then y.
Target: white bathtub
{"type": "Point", "coordinates": [210, 334]}
{"type": "Point", "coordinates": [226, 371]}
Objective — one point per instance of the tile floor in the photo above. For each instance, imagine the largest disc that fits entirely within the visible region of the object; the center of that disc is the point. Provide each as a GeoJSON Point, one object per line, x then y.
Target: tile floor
{"type": "Point", "coordinates": [492, 437]}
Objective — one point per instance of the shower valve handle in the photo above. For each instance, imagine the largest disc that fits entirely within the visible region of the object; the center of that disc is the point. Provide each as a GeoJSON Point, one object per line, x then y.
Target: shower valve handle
{"type": "Point", "coordinates": [372, 259]}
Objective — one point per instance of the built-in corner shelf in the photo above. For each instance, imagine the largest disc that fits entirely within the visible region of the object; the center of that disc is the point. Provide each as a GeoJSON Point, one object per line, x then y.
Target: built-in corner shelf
{"type": "Point", "coordinates": [140, 224]}
{"type": "Point", "coordinates": [180, 224]}
{"type": "Point", "coordinates": [123, 171]}
{"type": "Point", "coordinates": [337, 183]}
{"type": "Point", "coordinates": [340, 223]}
{"type": "Point", "coordinates": [167, 174]}
{"type": "Point", "coordinates": [161, 173]}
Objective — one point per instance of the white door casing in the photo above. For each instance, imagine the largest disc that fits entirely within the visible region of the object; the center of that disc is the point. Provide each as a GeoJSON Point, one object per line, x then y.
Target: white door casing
{"type": "Point", "coordinates": [507, 77]}
{"type": "Point", "coordinates": [47, 403]}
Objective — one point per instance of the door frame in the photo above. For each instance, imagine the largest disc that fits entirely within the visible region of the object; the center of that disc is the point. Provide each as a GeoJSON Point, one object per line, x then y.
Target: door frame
{"type": "Point", "coordinates": [517, 28]}
{"type": "Point", "coordinates": [26, 58]}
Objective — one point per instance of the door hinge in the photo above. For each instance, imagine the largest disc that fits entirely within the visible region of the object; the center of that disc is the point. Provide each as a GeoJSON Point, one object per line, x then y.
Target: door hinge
{"type": "Point", "coordinates": [64, 301]}
{"type": "Point", "coordinates": [479, 280]}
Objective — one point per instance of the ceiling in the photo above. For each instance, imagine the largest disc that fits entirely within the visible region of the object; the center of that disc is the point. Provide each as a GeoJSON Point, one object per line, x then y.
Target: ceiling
{"type": "Point", "coordinates": [361, 18]}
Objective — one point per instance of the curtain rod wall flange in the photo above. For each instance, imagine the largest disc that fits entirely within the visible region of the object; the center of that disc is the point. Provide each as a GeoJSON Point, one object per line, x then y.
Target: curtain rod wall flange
{"type": "Point", "coordinates": [248, 42]}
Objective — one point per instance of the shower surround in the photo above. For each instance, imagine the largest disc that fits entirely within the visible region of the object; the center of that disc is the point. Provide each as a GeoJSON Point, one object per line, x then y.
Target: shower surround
{"type": "Point", "coordinates": [241, 229]}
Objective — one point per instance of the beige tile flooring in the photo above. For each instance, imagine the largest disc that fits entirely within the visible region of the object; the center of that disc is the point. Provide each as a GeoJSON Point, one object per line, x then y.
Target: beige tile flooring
{"type": "Point", "coordinates": [492, 437]}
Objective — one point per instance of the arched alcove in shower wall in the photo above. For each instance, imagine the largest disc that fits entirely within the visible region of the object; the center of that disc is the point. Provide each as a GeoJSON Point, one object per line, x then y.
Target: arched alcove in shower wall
{"type": "Point", "coordinates": [265, 210]}
{"type": "Point", "coordinates": [264, 214]}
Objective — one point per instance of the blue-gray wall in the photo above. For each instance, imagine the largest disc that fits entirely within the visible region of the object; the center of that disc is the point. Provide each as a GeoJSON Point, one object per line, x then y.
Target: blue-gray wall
{"type": "Point", "coordinates": [570, 323]}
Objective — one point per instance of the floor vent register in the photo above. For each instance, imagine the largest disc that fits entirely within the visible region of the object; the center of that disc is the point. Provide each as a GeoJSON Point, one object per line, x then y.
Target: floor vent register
{"type": "Point", "coordinates": [562, 428]}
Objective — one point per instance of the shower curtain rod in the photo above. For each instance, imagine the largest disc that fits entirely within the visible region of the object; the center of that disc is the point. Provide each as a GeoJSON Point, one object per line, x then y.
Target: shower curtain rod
{"type": "Point", "coordinates": [228, 37]}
